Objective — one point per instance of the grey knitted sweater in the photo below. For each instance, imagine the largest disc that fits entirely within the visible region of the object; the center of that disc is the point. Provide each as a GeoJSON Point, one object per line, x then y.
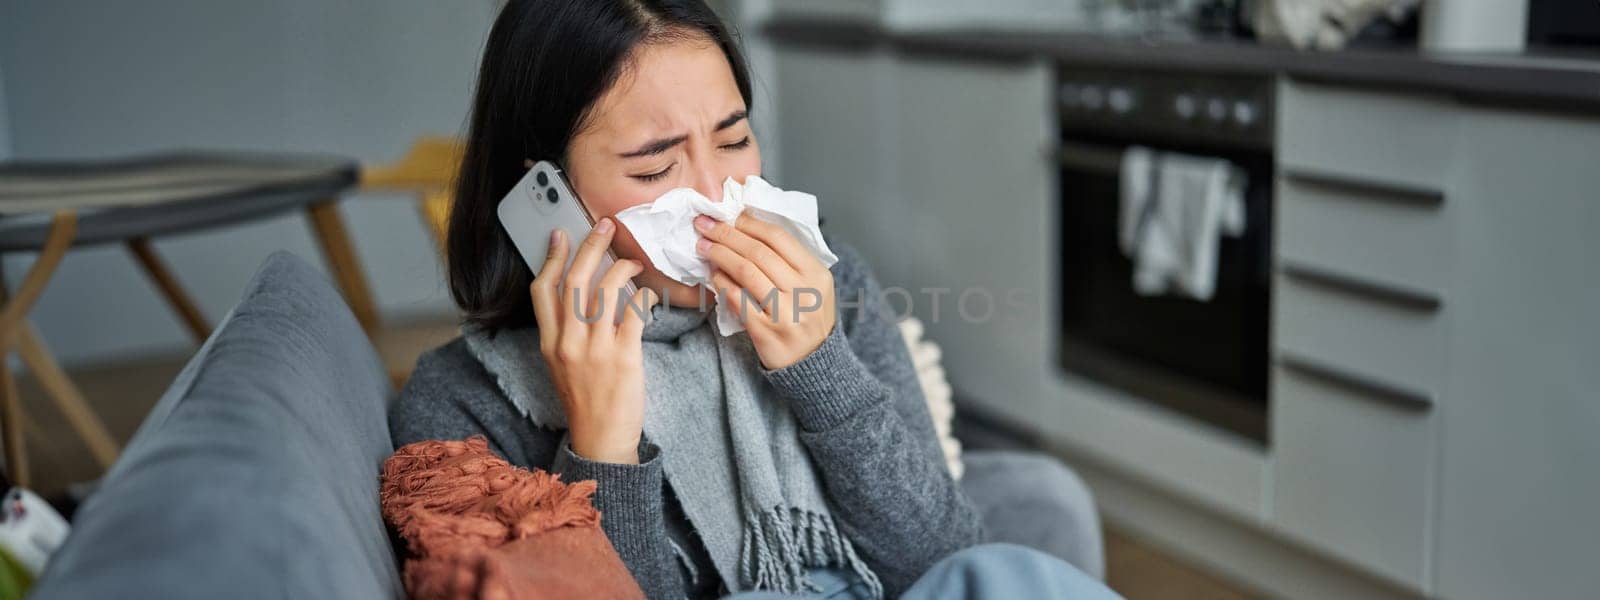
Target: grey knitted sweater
{"type": "Point", "coordinates": [862, 418]}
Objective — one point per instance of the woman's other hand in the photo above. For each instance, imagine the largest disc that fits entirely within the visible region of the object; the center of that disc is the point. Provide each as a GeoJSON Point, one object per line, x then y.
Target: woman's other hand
{"type": "Point", "coordinates": [780, 291]}
{"type": "Point", "coordinates": [591, 342]}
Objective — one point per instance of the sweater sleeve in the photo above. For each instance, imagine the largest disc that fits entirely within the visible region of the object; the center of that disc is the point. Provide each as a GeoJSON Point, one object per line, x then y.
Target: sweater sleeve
{"type": "Point", "coordinates": [450, 396]}
{"type": "Point", "coordinates": [630, 502]}
{"type": "Point", "coordinates": [865, 422]}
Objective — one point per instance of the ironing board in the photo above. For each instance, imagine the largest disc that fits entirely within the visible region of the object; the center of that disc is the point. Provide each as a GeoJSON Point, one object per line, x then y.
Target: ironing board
{"type": "Point", "coordinates": [49, 207]}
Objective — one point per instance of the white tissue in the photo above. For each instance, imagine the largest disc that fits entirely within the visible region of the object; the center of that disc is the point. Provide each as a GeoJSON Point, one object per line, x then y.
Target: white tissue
{"type": "Point", "coordinates": [665, 230]}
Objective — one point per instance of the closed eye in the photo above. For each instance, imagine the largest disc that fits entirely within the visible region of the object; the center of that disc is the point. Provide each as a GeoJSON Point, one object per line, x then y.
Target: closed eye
{"type": "Point", "coordinates": [653, 176]}
{"type": "Point", "coordinates": [739, 145]}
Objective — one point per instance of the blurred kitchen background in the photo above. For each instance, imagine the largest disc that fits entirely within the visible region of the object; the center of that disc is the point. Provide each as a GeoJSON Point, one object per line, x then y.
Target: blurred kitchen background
{"type": "Point", "coordinates": [1304, 289]}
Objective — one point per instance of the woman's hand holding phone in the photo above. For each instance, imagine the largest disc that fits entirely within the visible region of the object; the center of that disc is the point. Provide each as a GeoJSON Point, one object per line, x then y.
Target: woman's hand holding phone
{"type": "Point", "coordinates": [593, 346]}
{"type": "Point", "coordinates": [787, 291]}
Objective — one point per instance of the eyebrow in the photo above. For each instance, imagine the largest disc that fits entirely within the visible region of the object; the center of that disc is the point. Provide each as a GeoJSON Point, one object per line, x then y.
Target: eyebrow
{"type": "Point", "coordinates": [732, 119]}
{"type": "Point", "coordinates": [655, 147]}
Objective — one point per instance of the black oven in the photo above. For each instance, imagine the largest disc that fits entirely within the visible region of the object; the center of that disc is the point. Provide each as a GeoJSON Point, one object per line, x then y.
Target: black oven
{"type": "Point", "coordinates": [1205, 359]}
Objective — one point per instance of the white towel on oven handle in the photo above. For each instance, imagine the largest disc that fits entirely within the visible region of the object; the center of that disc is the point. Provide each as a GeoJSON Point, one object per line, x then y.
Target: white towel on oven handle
{"type": "Point", "coordinates": [1175, 208]}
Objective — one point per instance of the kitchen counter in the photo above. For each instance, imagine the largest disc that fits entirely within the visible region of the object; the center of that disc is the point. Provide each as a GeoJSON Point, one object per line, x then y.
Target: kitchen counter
{"type": "Point", "coordinates": [1524, 80]}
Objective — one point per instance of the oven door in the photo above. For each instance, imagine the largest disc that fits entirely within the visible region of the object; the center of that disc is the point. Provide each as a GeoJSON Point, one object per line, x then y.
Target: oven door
{"type": "Point", "coordinates": [1206, 359]}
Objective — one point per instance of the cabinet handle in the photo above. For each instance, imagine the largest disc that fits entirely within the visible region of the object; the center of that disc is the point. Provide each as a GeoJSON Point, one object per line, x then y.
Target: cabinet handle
{"type": "Point", "coordinates": [1396, 193]}
{"type": "Point", "coordinates": [1415, 299]}
{"type": "Point", "coordinates": [1089, 157]}
{"type": "Point", "coordinates": [1368, 386]}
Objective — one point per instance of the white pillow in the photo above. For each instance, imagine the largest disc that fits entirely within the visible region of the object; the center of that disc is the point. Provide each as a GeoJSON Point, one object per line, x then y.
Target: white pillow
{"type": "Point", "coordinates": [925, 355]}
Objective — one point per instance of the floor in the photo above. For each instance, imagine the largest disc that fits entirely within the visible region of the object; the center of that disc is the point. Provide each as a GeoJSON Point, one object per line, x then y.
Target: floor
{"type": "Point", "coordinates": [1141, 571]}
{"type": "Point", "coordinates": [124, 392]}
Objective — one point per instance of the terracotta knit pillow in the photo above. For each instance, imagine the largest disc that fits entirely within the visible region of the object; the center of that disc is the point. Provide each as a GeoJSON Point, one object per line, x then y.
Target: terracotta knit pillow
{"type": "Point", "coordinates": [478, 527]}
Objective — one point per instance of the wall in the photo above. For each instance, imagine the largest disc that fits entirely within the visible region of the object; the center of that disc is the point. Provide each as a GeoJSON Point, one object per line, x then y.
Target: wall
{"type": "Point", "coordinates": [746, 18]}
{"type": "Point", "coordinates": [5, 121]}
{"type": "Point", "coordinates": [360, 78]}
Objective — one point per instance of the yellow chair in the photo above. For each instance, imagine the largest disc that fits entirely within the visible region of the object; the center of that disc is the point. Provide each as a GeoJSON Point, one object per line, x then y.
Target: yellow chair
{"type": "Point", "coordinates": [429, 170]}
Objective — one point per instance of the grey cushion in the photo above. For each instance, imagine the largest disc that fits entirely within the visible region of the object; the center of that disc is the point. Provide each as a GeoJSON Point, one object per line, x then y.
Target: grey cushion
{"type": "Point", "coordinates": [256, 476]}
{"type": "Point", "coordinates": [1031, 499]}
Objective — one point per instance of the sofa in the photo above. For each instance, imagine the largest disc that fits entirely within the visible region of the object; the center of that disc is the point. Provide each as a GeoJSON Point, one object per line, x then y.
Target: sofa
{"type": "Point", "coordinates": [256, 474]}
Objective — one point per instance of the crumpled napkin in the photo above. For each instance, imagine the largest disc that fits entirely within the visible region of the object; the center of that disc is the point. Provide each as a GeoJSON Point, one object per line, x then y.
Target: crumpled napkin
{"type": "Point", "coordinates": [665, 230]}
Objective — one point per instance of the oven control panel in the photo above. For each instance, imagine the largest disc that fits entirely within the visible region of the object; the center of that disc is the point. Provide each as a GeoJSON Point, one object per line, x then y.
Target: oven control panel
{"type": "Point", "coordinates": [1226, 109]}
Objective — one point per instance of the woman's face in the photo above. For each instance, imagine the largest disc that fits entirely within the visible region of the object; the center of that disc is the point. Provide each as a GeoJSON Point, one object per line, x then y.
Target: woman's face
{"type": "Point", "coordinates": [674, 118]}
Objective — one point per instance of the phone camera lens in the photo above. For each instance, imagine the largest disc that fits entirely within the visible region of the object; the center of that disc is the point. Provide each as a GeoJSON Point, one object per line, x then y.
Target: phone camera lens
{"type": "Point", "coordinates": [551, 195]}
{"type": "Point", "coordinates": [543, 179]}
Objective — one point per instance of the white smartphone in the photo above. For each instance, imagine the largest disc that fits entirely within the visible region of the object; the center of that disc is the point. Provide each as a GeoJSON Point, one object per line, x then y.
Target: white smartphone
{"type": "Point", "coordinates": [540, 203]}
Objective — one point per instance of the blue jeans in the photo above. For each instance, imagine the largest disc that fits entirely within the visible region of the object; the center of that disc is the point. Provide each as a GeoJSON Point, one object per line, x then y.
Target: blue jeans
{"type": "Point", "coordinates": [989, 571]}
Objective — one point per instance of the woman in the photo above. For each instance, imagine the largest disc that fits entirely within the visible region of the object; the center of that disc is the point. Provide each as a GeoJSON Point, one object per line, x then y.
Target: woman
{"type": "Point", "coordinates": [799, 457]}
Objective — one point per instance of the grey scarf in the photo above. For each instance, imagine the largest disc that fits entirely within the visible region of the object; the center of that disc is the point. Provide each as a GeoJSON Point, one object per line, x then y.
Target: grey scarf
{"type": "Point", "coordinates": [732, 455]}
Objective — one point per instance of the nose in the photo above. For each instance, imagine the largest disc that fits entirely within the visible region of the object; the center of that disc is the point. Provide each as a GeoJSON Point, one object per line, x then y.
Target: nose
{"type": "Point", "coordinates": [707, 180]}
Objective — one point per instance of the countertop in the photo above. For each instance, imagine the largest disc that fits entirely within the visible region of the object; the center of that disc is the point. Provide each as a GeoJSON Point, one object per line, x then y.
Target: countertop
{"type": "Point", "coordinates": [1522, 80]}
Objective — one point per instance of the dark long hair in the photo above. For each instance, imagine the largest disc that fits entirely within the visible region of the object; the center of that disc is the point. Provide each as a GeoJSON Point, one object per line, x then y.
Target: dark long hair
{"type": "Point", "coordinates": [545, 64]}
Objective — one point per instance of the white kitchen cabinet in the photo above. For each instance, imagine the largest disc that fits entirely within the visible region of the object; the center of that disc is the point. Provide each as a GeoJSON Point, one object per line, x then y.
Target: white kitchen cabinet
{"type": "Point", "coordinates": [837, 123]}
{"type": "Point", "coordinates": [1406, 241]}
{"type": "Point", "coordinates": [1361, 324]}
{"type": "Point", "coordinates": [1519, 486]}
{"type": "Point", "coordinates": [1384, 343]}
{"type": "Point", "coordinates": [1388, 138]}
{"type": "Point", "coordinates": [934, 199]}
{"type": "Point", "coordinates": [1351, 474]}
{"type": "Point", "coordinates": [1460, 244]}
{"type": "Point", "coordinates": [977, 194]}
